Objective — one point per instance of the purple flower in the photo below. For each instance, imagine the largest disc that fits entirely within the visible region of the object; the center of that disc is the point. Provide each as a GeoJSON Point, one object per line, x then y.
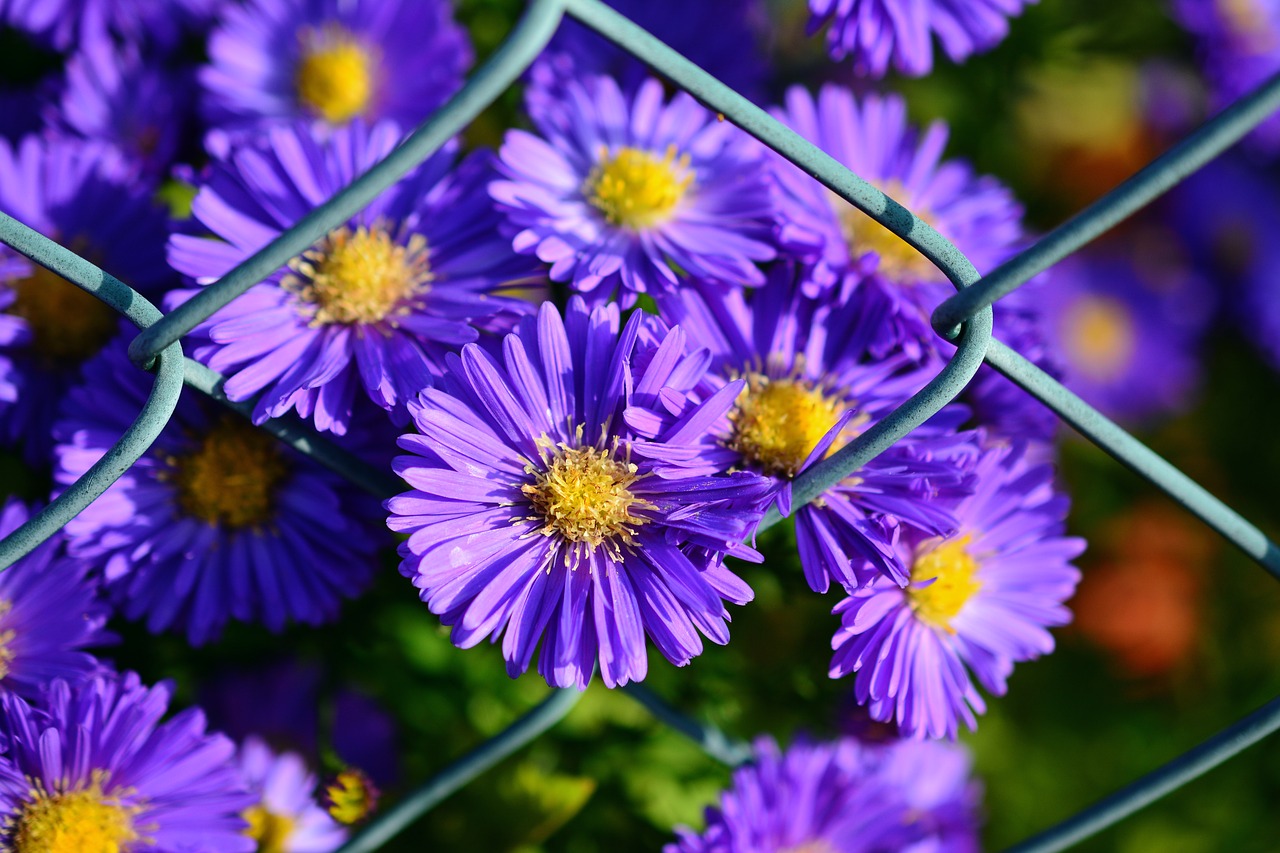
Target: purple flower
{"type": "Point", "coordinates": [375, 303]}
{"type": "Point", "coordinates": [536, 515]}
{"type": "Point", "coordinates": [625, 193]}
{"type": "Point", "coordinates": [1239, 47]}
{"type": "Point", "coordinates": [877, 33]}
{"type": "Point", "coordinates": [979, 601]}
{"type": "Point", "coordinates": [1128, 330]}
{"type": "Point", "coordinates": [95, 769]}
{"type": "Point", "coordinates": [844, 248]}
{"type": "Point", "coordinates": [286, 817]}
{"type": "Point", "coordinates": [113, 95]}
{"type": "Point", "coordinates": [843, 797]}
{"type": "Point", "coordinates": [49, 611]}
{"type": "Point", "coordinates": [811, 384]}
{"type": "Point", "coordinates": [87, 196]}
{"type": "Point", "coordinates": [333, 60]}
{"type": "Point", "coordinates": [69, 23]}
{"type": "Point", "coordinates": [217, 521]}
{"type": "Point", "coordinates": [723, 37]}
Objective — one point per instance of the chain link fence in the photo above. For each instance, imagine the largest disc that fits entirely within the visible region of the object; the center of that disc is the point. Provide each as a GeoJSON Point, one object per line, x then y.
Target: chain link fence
{"type": "Point", "coordinates": [965, 319]}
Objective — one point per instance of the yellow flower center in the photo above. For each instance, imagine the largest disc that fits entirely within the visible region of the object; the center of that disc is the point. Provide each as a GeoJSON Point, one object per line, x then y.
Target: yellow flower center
{"type": "Point", "coordinates": [6, 640]}
{"type": "Point", "coordinates": [361, 276]}
{"type": "Point", "coordinates": [584, 495]}
{"type": "Point", "coordinates": [638, 189]}
{"type": "Point", "coordinates": [335, 78]}
{"type": "Point", "coordinates": [269, 829]}
{"type": "Point", "coordinates": [778, 422]}
{"type": "Point", "coordinates": [351, 797]}
{"type": "Point", "coordinates": [1099, 336]}
{"type": "Point", "coordinates": [67, 324]}
{"type": "Point", "coordinates": [84, 821]}
{"type": "Point", "coordinates": [899, 262]}
{"type": "Point", "coordinates": [232, 477]}
{"type": "Point", "coordinates": [951, 568]}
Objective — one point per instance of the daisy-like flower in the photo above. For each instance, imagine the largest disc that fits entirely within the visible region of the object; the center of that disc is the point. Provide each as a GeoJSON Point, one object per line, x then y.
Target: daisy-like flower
{"type": "Point", "coordinates": [114, 95]}
{"type": "Point", "coordinates": [723, 37]}
{"type": "Point", "coordinates": [376, 302]}
{"type": "Point", "coordinates": [49, 611]}
{"type": "Point", "coordinates": [218, 520]}
{"type": "Point", "coordinates": [332, 60]}
{"type": "Point", "coordinates": [1128, 329]}
{"type": "Point", "coordinates": [66, 24]}
{"type": "Point", "coordinates": [843, 797]}
{"type": "Point", "coordinates": [94, 768]}
{"type": "Point", "coordinates": [1239, 46]}
{"type": "Point", "coordinates": [844, 248]}
{"type": "Point", "coordinates": [286, 818]}
{"type": "Point", "coordinates": [535, 514]}
{"type": "Point", "coordinates": [631, 194]}
{"type": "Point", "coordinates": [881, 33]}
{"type": "Point", "coordinates": [810, 384]}
{"type": "Point", "coordinates": [85, 195]}
{"type": "Point", "coordinates": [979, 601]}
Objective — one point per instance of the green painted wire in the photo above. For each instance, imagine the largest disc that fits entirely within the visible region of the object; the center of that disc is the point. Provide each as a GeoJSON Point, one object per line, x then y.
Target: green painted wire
{"type": "Point", "coordinates": [1157, 178]}
{"type": "Point", "coordinates": [151, 419]}
{"type": "Point", "coordinates": [490, 81]}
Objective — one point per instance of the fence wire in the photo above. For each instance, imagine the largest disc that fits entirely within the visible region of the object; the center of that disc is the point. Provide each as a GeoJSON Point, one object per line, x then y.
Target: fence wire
{"type": "Point", "coordinates": [965, 319]}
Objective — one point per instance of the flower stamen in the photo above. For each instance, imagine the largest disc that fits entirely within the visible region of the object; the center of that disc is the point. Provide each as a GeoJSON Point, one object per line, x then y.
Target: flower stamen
{"type": "Point", "coordinates": [336, 75]}
{"type": "Point", "coordinates": [79, 821]}
{"type": "Point", "coordinates": [637, 189]}
{"type": "Point", "coordinates": [362, 276]}
{"type": "Point", "coordinates": [232, 478]}
{"type": "Point", "coordinates": [951, 568]}
{"type": "Point", "coordinates": [778, 422]}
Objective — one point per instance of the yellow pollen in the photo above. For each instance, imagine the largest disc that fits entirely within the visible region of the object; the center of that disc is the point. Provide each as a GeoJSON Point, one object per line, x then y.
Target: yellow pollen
{"type": "Point", "coordinates": [351, 797]}
{"type": "Point", "coordinates": [778, 422]}
{"type": "Point", "coordinates": [899, 262]}
{"type": "Point", "coordinates": [83, 821]}
{"type": "Point", "coordinates": [361, 276]}
{"type": "Point", "coordinates": [232, 477]}
{"type": "Point", "coordinates": [638, 189]}
{"type": "Point", "coordinates": [953, 567]}
{"type": "Point", "coordinates": [1099, 336]}
{"type": "Point", "coordinates": [6, 639]}
{"type": "Point", "coordinates": [67, 324]}
{"type": "Point", "coordinates": [269, 829]}
{"type": "Point", "coordinates": [583, 495]}
{"type": "Point", "coordinates": [335, 78]}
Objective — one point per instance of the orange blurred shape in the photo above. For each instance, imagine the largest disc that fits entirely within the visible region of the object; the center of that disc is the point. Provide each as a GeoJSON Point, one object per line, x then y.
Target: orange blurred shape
{"type": "Point", "coordinates": [1142, 601]}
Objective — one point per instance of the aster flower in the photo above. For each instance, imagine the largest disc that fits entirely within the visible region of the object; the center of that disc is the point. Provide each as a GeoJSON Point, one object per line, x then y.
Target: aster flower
{"type": "Point", "coordinates": [843, 797]}
{"type": "Point", "coordinates": [217, 521]}
{"type": "Point", "coordinates": [113, 95]}
{"type": "Point", "coordinates": [66, 24]}
{"type": "Point", "coordinates": [87, 195]}
{"type": "Point", "coordinates": [979, 601]}
{"type": "Point", "coordinates": [810, 386]}
{"type": "Point", "coordinates": [1128, 329]}
{"type": "Point", "coordinates": [629, 193]}
{"type": "Point", "coordinates": [95, 769]}
{"type": "Point", "coordinates": [1239, 47]}
{"type": "Point", "coordinates": [880, 33]}
{"type": "Point", "coordinates": [844, 248]}
{"type": "Point", "coordinates": [535, 515]}
{"type": "Point", "coordinates": [332, 60]}
{"type": "Point", "coordinates": [49, 611]}
{"type": "Point", "coordinates": [723, 37]}
{"type": "Point", "coordinates": [376, 302]}
{"type": "Point", "coordinates": [286, 817]}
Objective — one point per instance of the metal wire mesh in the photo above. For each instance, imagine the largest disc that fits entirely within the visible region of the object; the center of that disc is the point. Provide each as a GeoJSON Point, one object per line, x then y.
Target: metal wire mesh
{"type": "Point", "coordinates": [964, 319]}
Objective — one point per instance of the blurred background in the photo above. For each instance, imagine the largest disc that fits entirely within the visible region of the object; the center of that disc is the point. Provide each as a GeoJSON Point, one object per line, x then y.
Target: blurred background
{"type": "Point", "coordinates": [1176, 634]}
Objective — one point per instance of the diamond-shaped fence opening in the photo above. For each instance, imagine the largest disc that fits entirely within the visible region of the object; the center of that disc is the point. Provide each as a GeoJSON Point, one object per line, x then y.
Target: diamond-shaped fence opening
{"type": "Point", "coordinates": [965, 319]}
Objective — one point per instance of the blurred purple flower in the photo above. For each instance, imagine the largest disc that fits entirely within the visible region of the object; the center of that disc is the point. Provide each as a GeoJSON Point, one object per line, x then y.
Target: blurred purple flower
{"type": "Point", "coordinates": [376, 302]}
{"type": "Point", "coordinates": [535, 514]}
{"type": "Point", "coordinates": [880, 33]}
{"type": "Point", "coordinates": [217, 521]}
{"type": "Point", "coordinates": [332, 60]}
{"type": "Point", "coordinates": [286, 817]}
{"type": "Point", "coordinates": [979, 601]}
{"type": "Point", "coordinates": [68, 24]}
{"type": "Point", "coordinates": [630, 193]}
